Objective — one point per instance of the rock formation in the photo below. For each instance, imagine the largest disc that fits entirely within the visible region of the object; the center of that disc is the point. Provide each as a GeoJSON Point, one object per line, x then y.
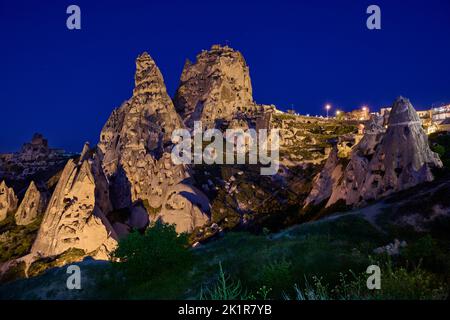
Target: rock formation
{"type": "Point", "coordinates": [174, 198]}
{"type": "Point", "coordinates": [8, 200]}
{"type": "Point", "coordinates": [32, 205]}
{"type": "Point", "coordinates": [216, 87]}
{"type": "Point", "coordinates": [326, 180]}
{"type": "Point", "coordinates": [35, 157]}
{"type": "Point", "coordinates": [37, 149]}
{"type": "Point", "coordinates": [385, 163]}
{"type": "Point", "coordinates": [136, 145]}
{"type": "Point", "coordinates": [75, 216]}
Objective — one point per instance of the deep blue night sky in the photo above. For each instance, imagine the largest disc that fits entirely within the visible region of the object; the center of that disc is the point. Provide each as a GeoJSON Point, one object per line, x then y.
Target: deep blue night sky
{"type": "Point", "coordinates": [303, 53]}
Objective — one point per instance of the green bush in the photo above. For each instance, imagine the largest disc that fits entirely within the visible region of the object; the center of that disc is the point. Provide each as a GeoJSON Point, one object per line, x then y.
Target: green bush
{"type": "Point", "coordinates": [417, 284]}
{"type": "Point", "coordinates": [276, 274]}
{"type": "Point", "coordinates": [397, 283]}
{"type": "Point", "coordinates": [17, 239]}
{"type": "Point", "coordinates": [15, 272]}
{"type": "Point", "coordinates": [159, 252]}
{"type": "Point", "coordinates": [440, 143]}
{"type": "Point", "coordinates": [440, 150]}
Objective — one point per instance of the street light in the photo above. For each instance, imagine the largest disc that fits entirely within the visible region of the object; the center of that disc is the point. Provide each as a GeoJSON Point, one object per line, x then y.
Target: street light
{"type": "Point", "coordinates": [338, 112]}
{"type": "Point", "coordinates": [327, 107]}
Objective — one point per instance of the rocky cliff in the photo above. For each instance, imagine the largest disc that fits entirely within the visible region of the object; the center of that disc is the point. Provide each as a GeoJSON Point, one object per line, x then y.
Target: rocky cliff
{"type": "Point", "coordinates": [75, 216]}
{"type": "Point", "coordinates": [8, 200]}
{"type": "Point", "coordinates": [129, 179]}
{"type": "Point", "coordinates": [326, 180]}
{"type": "Point", "coordinates": [32, 206]}
{"type": "Point", "coordinates": [214, 88]}
{"type": "Point", "coordinates": [34, 158]}
{"type": "Point", "coordinates": [136, 145]}
{"type": "Point", "coordinates": [383, 163]}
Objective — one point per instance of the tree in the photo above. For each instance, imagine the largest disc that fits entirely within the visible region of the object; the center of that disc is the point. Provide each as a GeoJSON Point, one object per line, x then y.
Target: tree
{"type": "Point", "coordinates": [159, 252]}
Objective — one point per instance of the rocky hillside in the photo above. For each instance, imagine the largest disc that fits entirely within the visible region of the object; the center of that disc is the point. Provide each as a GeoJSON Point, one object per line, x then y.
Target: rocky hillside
{"type": "Point", "coordinates": [216, 88]}
{"type": "Point", "coordinates": [36, 158]}
{"type": "Point", "coordinates": [383, 162]}
{"type": "Point", "coordinates": [75, 216]}
{"type": "Point", "coordinates": [65, 208]}
{"type": "Point", "coordinates": [134, 147]}
{"type": "Point", "coordinates": [8, 200]}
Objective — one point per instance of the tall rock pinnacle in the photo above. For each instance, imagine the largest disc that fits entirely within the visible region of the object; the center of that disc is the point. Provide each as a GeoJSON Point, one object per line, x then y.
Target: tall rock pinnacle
{"type": "Point", "coordinates": [75, 216]}
{"type": "Point", "coordinates": [137, 132]}
{"type": "Point", "coordinates": [403, 158]}
{"type": "Point", "coordinates": [385, 163]}
{"type": "Point", "coordinates": [32, 205]}
{"type": "Point", "coordinates": [324, 181]}
{"type": "Point", "coordinates": [216, 87]}
{"type": "Point", "coordinates": [8, 200]}
{"type": "Point", "coordinates": [135, 143]}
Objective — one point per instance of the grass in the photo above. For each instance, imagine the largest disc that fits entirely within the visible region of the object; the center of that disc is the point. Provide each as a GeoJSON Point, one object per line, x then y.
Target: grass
{"type": "Point", "coordinates": [225, 289]}
{"type": "Point", "coordinates": [320, 260]}
{"type": "Point", "coordinates": [13, 273]}
{"type": "Point", "coordinates": [277, 260]}
{"type": "Point", "coordinates": [397, 283]}
{"type": "Point", "coordinates": [41, 265]}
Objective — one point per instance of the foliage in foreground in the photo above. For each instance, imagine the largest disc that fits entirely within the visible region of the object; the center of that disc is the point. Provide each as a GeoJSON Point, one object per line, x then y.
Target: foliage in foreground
{"type": "Point", "coordinates": [152, 265]}
{"type": "Point", "coordinates": [310, 261]}
{"type": "Point", "coordinates": [16, 240]}
{"type": "Point", "coordinates": [397, 283]}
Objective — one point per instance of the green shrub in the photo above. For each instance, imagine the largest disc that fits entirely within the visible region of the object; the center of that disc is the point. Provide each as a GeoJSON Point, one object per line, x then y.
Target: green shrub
{"type": "Point", "coordinates": [276, 275]}
{"type": "Point", "coordinates": [423, 248]}
{"type": "Point", "coordinates": [440, 143]}
{"type": "Point", "coordinates": [397, 283]}
{"type": "Point", "coordinates": [17, 239]}
{"type": "Point", "coordinates": [440, 150]}
{"type": "Point", "coordinates": [15, 272]}
{"type": "Point", "coordinates": [159, 252]}
{"type": "Point", "coordinates": [416, 284]}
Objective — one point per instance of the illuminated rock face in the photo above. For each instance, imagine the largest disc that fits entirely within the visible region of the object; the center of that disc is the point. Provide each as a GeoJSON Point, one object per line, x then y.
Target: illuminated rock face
{"type": "Point", "coordinates": [326, 180]}
{"type": "Point", "coordinates": [136, 144]}
{"type": "Point", "coordinates": [216, 87]}
{"type": "Point", "coordinates": [75, 216]}
{"type": "Point", "coordinates": [8, 200]}
{"type": "Point", "coordinates": [32, 205]}
{"type": "Point", "coordinates": [384, 163]}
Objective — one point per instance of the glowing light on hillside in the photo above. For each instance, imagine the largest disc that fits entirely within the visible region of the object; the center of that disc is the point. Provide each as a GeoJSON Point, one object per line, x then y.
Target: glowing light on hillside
{"type": "Point", "coordinates": [328, 107]}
